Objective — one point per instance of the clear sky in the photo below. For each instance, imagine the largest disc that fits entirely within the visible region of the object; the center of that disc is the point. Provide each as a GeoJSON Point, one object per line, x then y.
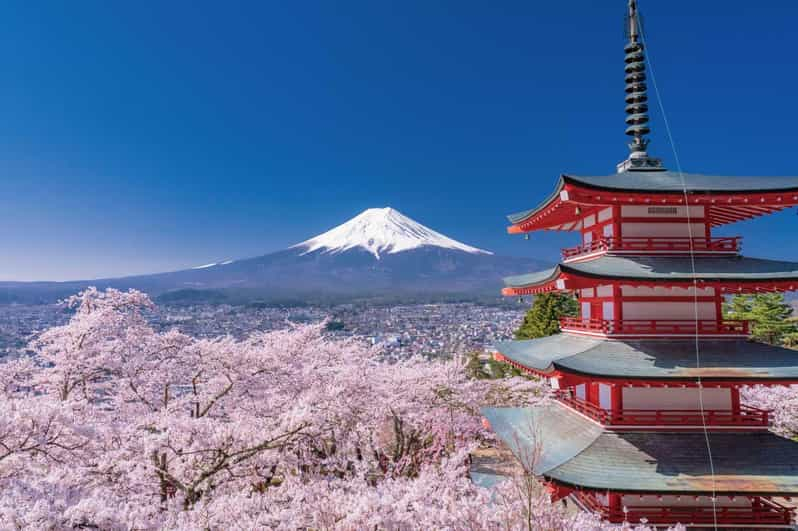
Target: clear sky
{"type": "Point", "coordinates": [148, 136]}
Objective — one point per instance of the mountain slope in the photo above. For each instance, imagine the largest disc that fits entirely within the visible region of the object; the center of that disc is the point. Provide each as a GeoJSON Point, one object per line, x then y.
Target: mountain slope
{"type": "Point", "coordinates": [382, 230]}
{"type": "Point", "coordinates": [379, 253]}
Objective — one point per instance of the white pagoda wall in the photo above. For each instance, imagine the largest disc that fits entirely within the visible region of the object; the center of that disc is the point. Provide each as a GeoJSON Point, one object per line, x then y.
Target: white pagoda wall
{"type": "Point", "coordinates": [660, 308]}
{"type": "Point", "coordinates": [675, 398]}
{"type": "Point", "coordinates": [604, 215]}
{"type": "Point", "coordinates": [596, 225]}
{"type": "Point", "coordinates": [668, 310]}
{"type": "Point", "coordinates": [655, 211]}
{"type": "Point", "coordinates": [676, 225]}
{"type": "Point", "coordinates": [662, 230]}
{"type": "Point", "coordinates": [663, 291]}
{"type": "Point", "coordinates": [663, 309]}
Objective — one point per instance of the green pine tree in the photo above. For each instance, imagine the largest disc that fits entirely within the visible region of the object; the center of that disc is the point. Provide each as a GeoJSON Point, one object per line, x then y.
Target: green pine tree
{"type": "Point", "coordinates": [543, 318]}
{"type": "Point", "coordinates": [474, 366]}
{"type": "Point", "coordinates": [790, 338]}
{"type": "Point", "coordinates": [769, 316]}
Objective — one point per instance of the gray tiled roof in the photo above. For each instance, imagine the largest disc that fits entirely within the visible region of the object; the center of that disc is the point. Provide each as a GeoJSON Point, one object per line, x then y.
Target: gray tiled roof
{"type": "Point", "coordinates": [726, 359]}
{"type": "Point", "coordinates": [668, 182]}
{"type": "Point", "coordinates": [553, 434]}
{"type": "Point", "coordinates": [673, 181]}
{"type": "Point", "coordinates": [575, 451]}
{"type": "Point", "coordinates": [673, 268]}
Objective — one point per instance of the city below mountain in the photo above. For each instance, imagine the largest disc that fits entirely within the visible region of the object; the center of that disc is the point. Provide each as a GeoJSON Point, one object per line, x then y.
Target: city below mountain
{"type": "Point", "coordinates": [379, 253]}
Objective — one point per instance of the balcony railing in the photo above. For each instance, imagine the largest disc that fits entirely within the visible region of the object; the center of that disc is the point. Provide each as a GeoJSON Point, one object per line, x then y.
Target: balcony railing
{"type": "Point", "coordinates": [654, 327]}
{"type": "Point", "coordinates": [657, 245]}
{"type": "Point", "coordinates": [747, 416]}
{"type": "Point", "coordinates": [760, 512]}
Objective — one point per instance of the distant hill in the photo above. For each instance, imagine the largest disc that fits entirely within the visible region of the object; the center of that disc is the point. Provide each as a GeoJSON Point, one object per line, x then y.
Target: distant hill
{"type": "Point", "coordinates": [380, 253]}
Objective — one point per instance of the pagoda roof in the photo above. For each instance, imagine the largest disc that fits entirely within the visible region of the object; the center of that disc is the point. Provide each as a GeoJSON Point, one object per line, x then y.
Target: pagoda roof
{"type": "Point", "coordinates": [668, 186]}
{"type": "Point", "coordinates": [654, 359]}
{"type": "Point", "coordinates": [575, 451]}
{"type": "Point", "coordinates": [734, 270]}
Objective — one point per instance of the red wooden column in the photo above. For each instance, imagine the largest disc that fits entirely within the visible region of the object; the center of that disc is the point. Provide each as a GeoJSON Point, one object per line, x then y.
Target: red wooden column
{"type": "Point", "coordinates": [615, 504]}
{"type": "Point", "coordinates": [735, 400]}
{"type": "Point", "coordinates": [593, 393]}
{"type": "Point", "coordinates": [718, 306]}
{"type": "Point", "coordinates": [616, 400]}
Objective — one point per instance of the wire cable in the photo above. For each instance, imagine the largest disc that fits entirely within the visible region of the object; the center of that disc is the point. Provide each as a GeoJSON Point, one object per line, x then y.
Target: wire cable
{"type": "Point", "coordinates": [693, 268]}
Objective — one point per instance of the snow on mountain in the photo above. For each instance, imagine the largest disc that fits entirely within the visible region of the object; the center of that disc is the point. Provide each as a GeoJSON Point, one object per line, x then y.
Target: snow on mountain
{"type": "Point", "coordinates": [382, 231]}
{"type": "Point", "coordinates": [213, 264]}
{"type": "Point", "coordinates": [319, 270]}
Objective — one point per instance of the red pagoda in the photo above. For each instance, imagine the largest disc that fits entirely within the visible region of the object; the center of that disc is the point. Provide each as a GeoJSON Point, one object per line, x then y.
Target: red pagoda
{"type": "Point", "coordinates": [647, 425]}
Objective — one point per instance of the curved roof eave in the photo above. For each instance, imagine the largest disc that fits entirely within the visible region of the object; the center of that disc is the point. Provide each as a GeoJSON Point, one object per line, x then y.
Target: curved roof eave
{"type": "Point", "coordinates": [653, 359]}
{"type": "Point", "coordinates": [683, 269]}
{"type": "Point", "coordinates": [674, 182]}
{"type": "Point", "coordinates": [674, 463]}
{"type": "Point", "coordinates": [664, 182]}
{"type": "Point", "coordinates": [519, 217]}
{"type": "Point", "coordinates": [573, 450]}
{"type": "Point", "coordinates": [664, 269]}
{"type": "Point", "coordinates": [532, 279]}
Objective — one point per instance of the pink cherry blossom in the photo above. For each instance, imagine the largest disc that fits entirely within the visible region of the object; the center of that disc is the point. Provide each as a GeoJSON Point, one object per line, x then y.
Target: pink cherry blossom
{"type": "Point", "coordinates": [115, 425]}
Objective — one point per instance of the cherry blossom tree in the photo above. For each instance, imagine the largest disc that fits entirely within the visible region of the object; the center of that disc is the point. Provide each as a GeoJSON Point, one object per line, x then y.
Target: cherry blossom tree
{"type": "Point", "coordinates": [781, 401]}
{"type": "Point", "coordinates": [113, 424]}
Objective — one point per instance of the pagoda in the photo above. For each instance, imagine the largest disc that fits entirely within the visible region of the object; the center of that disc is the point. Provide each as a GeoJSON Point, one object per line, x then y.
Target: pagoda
{"type": "Point", "coordinates": [647, 423]}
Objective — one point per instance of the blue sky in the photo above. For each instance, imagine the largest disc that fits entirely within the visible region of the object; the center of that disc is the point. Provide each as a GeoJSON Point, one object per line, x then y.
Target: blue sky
{"type": "Point", "coordinates": [148, 136]}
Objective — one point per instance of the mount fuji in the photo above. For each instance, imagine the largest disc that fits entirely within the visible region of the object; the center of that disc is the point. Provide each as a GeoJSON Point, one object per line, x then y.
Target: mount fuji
{"type": "Point", "coordinates": [381, 230]}
{"type": "Point", "coordinates": [380, 253]}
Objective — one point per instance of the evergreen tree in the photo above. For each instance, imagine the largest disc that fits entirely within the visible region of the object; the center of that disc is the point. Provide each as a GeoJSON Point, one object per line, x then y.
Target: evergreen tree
{"type": "Point", "coordinates": [790, 338]}
{"type": "Point", "coordinates": [769, 314]}
{"type": "Point", "coordinates": [543, 318]}
{"type": "Point", "coordinates": [474, 366]}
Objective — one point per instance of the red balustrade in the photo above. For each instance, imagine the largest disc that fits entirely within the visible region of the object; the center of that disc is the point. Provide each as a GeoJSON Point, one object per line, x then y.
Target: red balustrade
{"type": "Point", "coordinates": [747, 416]}
{"type": "Point", "coordinates": [655, 327]}
{"type": "Point", "coordinates": [761, 511]}
{"type": "Point", "coordinates": [658, 245]}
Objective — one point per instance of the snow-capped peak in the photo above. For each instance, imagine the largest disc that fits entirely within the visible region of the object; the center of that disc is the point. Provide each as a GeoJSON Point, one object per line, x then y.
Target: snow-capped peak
{"type": "Point", "coordinates": [382, 231]}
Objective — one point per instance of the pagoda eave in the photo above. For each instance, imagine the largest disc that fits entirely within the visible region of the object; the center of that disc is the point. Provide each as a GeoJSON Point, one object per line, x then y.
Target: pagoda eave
{"type": "Point", "coordinates": [572, 282]}
{"type": "Point", "coordinates": [725, 205]}
{"type": "Point", "coordinates": [570, 378]}
{"type": "Point", "coordinates": [544, 372]}
{"type": "Point", "coordinates": [570, 449]}
{"type": "Point", "coordinates": [728, 274]}
{"type": "Point", "coordinates": [574, 359]}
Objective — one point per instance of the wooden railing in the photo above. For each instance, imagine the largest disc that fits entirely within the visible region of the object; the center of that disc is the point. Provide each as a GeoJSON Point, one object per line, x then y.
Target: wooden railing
{"type": "Point", "coordinates": [655, 327]}
{"type": "Point", "coordinates": [762, 511]}
{"type": "Point", "coordinates": [747, 416]}
{"type": "Point", "coordinates": [658, 245]}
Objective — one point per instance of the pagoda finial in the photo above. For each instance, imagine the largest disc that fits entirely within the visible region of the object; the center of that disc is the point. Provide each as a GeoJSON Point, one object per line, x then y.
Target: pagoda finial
{"type": "Point", "coordinates": [636, 99]}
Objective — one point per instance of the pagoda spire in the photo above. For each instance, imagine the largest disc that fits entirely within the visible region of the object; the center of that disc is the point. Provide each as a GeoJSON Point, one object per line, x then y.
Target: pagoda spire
{"type": "Point", "coordinates": [636, 98]}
